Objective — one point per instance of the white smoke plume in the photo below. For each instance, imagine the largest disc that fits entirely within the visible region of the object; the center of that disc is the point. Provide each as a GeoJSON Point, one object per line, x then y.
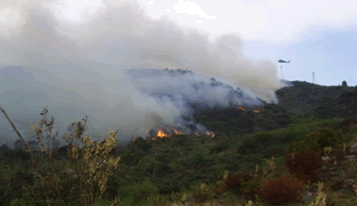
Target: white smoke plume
{"type": "Point", "coordinates": [81, 69]}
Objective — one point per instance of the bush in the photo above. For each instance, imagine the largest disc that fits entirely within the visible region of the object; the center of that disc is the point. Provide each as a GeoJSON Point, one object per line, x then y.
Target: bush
{"type": "Point", "coordinates": [200, 197]}
{"type": "Point", "coordinates": [234, 182]}
{"type": "Point", "coordinates": [255, 143]}
{"type": "Point", "coordinates": [138, 192]}
{"type": "Point", "coordinates": [167, 187]}
{"type": "Point", "coordinates": [220, 188]}
{"type": "Point", "coordinates": [142, 144]}
{"type": "Point", "coordinates": [42, 191]}
{"type": "Point", "coordinates": [250, 187]}
{"type": "Point", "coordinates": [304, 165]}
{"type": "Point", "coordinates": [347, 123]}
{"type": "Point", "coordinates": [281, 190]}
{"type": "Point", "coordinates": [84, 183]}
{"type": "Point", "coordinates": [318, 140]}
{"type": "Point", "coordinates": [328, 137]}
{"type": "Point", "coordinates": [203, 193]}
{"type": "Point", "coordinates": [219, 147]}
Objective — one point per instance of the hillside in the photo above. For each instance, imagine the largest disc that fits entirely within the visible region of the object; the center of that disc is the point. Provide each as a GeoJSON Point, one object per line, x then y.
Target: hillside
{"type": "Point", "coordinates": [260, 154]}
{"type": "Point", "coordinates": [301, 100]}
{"type": "Point", "coordinates": [325, 101]}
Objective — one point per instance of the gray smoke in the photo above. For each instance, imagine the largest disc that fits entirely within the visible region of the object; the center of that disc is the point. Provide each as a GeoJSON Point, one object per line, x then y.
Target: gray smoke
{"type": "Point", "coordinates": [85, 69]}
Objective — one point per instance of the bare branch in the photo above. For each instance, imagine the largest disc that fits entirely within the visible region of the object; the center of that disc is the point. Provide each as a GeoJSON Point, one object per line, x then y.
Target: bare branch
{"type": "Point", "coordinates": [28, 147]}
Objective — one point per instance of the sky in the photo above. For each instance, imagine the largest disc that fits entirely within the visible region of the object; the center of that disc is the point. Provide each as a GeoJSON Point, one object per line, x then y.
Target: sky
{"type": "Point", "coordinates": [236, 42]}
{"type": "Point", "coordinates": [317, 35]}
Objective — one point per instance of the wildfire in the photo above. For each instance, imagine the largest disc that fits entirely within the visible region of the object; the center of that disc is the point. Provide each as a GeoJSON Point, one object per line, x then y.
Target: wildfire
{"type": "Point", "coordinates": [162, 134]}
{"type": "Point", "coordinates": [178, 132]}
{"type": "Point", "coordinates": [241, 108]}
{"type": "Point", "coordinates": [210, 134]}
{"type": "Point", "coordinates": [255, 111]}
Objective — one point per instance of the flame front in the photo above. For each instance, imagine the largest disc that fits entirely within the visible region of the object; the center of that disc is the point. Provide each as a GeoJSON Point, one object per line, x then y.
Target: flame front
{"type": "Point", "coordinates": [256, 111]}
{"type": "Point", "coordinates": [241, 108]}
{"type": "Point", "coordinates": [210, 134]}
{"type": "Point", "coordinates": [162, 134]}
{"type": "Point", "coordinates": [178, 132]}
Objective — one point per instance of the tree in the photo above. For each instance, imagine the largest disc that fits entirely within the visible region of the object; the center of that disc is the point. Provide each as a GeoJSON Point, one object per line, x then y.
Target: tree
{"type": "Point", "coordinates": [344, 84]}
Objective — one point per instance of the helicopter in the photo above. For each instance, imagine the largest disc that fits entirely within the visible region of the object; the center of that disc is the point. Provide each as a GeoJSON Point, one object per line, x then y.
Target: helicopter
{"type": "Point", "coordinates": [283, 61]}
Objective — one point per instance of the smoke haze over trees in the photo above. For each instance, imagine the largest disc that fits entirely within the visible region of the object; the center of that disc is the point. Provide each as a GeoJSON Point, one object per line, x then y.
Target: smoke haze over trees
{"type": "Point", "coordinates": [82, 69]}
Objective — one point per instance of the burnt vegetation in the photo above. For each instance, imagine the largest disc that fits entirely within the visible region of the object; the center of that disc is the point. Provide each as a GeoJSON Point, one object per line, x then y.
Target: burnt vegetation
{"type": "Point", "coordinates": [299, 152]}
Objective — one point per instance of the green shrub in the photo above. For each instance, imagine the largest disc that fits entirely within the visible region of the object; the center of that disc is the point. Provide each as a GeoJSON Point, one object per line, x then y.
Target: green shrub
{"type": "Point", "coordinates": [219, 147]}
{"type": "Point", "coordinates": [318, 140]}
{"type": "Point", "coordinates": [250, 187]}
{"type": "Point", "coordinates": [137, 192]}
{"type": "Point", "coordinates": [43, 193]}
{"type": "Point", "coordinates": [256, 143]}
{"type": "Point", "coordinates": [167, 187]}
{"type": "Point", "coordinates": [147, 164]}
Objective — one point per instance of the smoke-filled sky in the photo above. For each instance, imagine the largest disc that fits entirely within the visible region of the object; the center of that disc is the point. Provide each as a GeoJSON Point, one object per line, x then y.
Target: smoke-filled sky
{"type": "Point", "coordinates": [73, 55]}
{"type": "Point", "coordinates": [319, 35]}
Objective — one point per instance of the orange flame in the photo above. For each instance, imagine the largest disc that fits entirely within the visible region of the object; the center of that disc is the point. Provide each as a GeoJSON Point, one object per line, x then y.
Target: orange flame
{"type": "Point", "coordinates": [210, 134]}
{"type": "Point", "coordinates": [177, 132]}
{"type": "Point", "coordinates": [256, 111]}
{"type": "Point", "coordinates": [162, 134]}
{"type": "Point", "coordinates": [241, 108]}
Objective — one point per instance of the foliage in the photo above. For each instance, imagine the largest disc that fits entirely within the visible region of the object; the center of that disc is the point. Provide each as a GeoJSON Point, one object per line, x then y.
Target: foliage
{"type": "Point", "coordinates": [94, 165]}
{"type": "Point", "coordinates": [219, 147]}
{"type": "Point", "coordinates": [43, 191]}
{"type": "Point", "coordinates": [317, 140]}
{"type": "Point", "coordinates": [85, 184]}
{"type": "Point", "coordinates": [234, 182]}
{"type": "Point", "coordinates": [167, 186]}
{"type": "Point", "coordinates": [320, 198]}
{"type": "Point", "coordinates": [234, 121]}
{"type": "Point", "coordinates": [281, 190]}
{"type": "Point", "coordinates": [154, 171]}
{"type": "Point", "coordinates": [137, 192]}
{"type": "Point", "coordinates": [304, 165]}
{"type": "Point", "coordinates": [201, 194]}
{"type": "Point", "coordinates": [347, 123]}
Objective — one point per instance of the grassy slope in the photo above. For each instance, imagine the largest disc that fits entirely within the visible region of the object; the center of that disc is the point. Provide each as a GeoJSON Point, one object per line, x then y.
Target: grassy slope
{"type": "Point", "coordinates": [150, 169]}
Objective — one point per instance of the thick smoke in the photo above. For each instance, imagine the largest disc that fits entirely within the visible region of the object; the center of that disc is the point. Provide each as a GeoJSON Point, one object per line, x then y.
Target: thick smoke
{"type": "Point", "coordinates": [82, 69]}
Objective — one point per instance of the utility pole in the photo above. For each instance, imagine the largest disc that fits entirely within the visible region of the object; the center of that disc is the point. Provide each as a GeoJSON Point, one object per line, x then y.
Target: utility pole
{"type": "Point", "coordinates": [313, 77]}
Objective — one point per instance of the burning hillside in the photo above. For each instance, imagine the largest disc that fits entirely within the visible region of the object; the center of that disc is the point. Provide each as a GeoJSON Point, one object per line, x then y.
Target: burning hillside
{"type": "Point", "coordinates": [189, 93]}
{"type": "Point", "coordinates": [167, 133]}
{"type": "Point", "coordinates": [191, 129]}
{"type": "Point", "coordinates": [258, 110]}
{"type": "Point", "coordinates": [81, 70]}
